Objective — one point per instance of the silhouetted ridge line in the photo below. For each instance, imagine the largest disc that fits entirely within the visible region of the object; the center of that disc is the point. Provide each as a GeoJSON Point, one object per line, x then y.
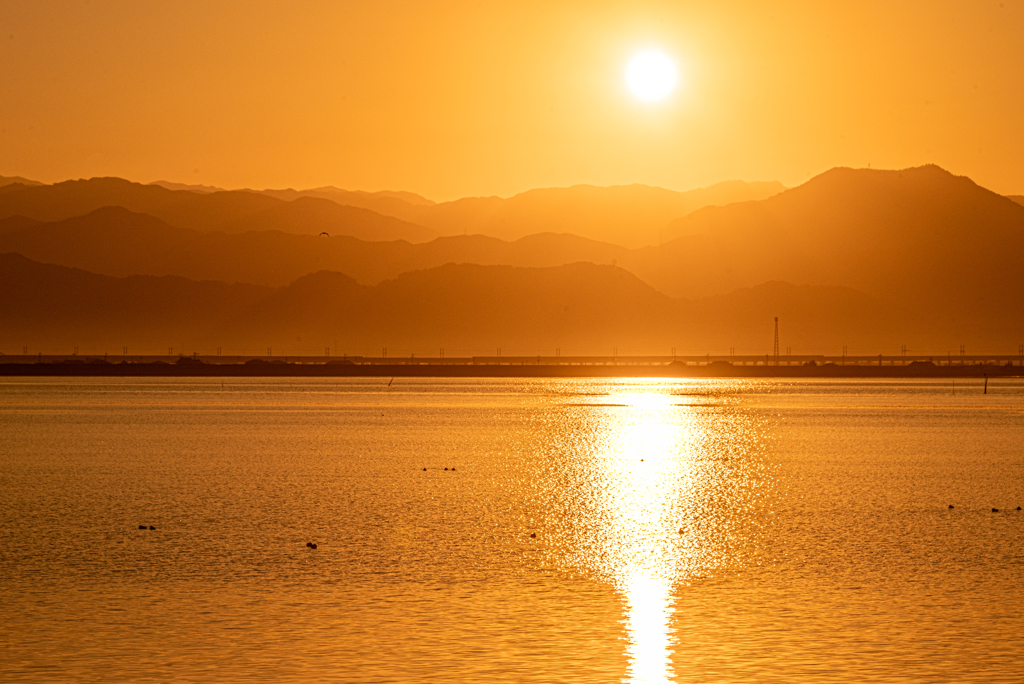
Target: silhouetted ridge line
{"type": "Point", "coordinates": [582, 307]}
{"type": "Point", "coordinates": [219, 211]}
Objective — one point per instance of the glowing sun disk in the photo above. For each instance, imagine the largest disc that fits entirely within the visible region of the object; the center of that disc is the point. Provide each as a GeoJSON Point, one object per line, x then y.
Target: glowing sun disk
{"type": "Point", "coordinates": [651, 75]}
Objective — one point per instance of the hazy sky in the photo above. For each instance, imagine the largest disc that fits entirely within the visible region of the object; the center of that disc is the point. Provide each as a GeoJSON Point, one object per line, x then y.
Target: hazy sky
{"type": "Point", "coordinates": [451, 99]}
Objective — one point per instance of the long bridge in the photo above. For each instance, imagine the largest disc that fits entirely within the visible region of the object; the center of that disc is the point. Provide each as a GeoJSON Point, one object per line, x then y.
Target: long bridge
{"type": "Point", "coordinates": [706, 365]}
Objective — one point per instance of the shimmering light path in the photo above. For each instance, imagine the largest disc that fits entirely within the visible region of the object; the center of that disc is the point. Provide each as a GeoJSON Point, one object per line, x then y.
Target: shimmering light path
{"type": "Point", "coordinates": [562, 531]}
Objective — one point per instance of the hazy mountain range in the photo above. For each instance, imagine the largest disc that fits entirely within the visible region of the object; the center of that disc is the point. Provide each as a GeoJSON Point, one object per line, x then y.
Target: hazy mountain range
{"type": "Point", "coordinates": [864, 258]}
{"type": "Point", "coordinates": [463, 308]}
{"type": "Point", "coordinates": [628, 215]}
{"type": "Point", "coordinates": [9, 180]}
{"type": "Point", "coordinates": [229, 212]}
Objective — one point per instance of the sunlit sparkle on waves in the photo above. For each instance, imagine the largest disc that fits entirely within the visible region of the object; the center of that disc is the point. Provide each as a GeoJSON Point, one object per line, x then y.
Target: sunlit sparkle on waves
{"type": "Point", "coordinates": [664, 466]}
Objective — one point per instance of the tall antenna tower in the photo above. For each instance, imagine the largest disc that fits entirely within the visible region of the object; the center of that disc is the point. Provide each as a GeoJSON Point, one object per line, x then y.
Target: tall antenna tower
{"type": "Point", "coordinates": [776, 340]}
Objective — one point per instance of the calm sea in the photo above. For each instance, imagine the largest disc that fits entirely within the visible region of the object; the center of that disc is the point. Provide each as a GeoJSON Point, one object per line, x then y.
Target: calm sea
{"type": "Point", "coordinates": [584, 531]}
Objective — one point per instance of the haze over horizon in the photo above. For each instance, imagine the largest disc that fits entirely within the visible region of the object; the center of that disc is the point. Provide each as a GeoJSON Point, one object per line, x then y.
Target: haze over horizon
{"type": "Point", "coordinates": [469, 100]}
{"type": "Point", "coordinates": [856, 259]}
{"type": "Point", "coordinates": [722, 162]}
{"type": "Point", "coordinates": [517, 342]}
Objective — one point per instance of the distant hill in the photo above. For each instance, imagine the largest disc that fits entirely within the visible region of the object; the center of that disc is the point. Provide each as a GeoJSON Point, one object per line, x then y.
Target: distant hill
{"type": "Point", "coordinates": [234, 211]}
{"type": "Point", "coordinates": [627, 215]}
{"type": "Point", "coordinates": [10, 180]}
{"type": "Point", "coordinates": [1019, 199]}
{"type": "Point", "coordinates": [468, 309]}
{"type": "Point", "coordinates": [922, 236]}
{"type": "Point", "coordinates": [403, 205]}
{"type": "Point", "coordinates": [53, 307]}
{"type": "Point", "coordinates": [115, 241]}
{"type": "Point", "coordinates": [204, 189]}
{"type": "Point", "coordinates": [919, 257]}
{"type": "Point", "coordinates": [313, 215]}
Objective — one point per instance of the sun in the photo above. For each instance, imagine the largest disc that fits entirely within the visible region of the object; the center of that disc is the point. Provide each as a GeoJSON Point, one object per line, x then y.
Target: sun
{"type": "Point", "coordinates": [651, 75]}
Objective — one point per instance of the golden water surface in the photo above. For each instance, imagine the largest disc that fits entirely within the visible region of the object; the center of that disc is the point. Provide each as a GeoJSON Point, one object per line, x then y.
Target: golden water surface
{"type": "Point", "coordinates": [510, 531]}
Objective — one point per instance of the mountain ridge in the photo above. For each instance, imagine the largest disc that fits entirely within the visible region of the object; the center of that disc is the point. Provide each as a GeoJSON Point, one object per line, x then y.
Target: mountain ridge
{"type": "Point", "coordinates": [580, 308]}
{"type": "Point", "coordinates": [219, 211]}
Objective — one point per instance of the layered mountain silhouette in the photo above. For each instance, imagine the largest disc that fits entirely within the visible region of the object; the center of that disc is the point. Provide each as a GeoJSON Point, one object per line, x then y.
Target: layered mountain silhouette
{"type": "Point", "coordinates": [204, 189]}
{"type": "Point", "coordinates": [923, 237]}
{"type": "Point", "coordinates": [627, 215]}
{"type": "Point", "coordinates": [54, 308]}
{"type": "Point", "coordinates": [579, 308]}
{"type": "Point", "coordinates": [919, 257]}
{"type": "Point", "coordinates": [227, 211]}
{"type": "Point", "coordinates": [1019, 199]}
{"type": "Point", "coordinates": [387, 202]}
{"type": "Point", "coordinates": [16, 180]}
{"type": "Point", "coordinates": [118, 242]}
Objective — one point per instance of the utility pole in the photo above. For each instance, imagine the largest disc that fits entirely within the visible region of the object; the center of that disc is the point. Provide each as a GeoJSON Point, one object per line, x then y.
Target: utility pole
{"type": "Point", "coordinates": [776, 340]}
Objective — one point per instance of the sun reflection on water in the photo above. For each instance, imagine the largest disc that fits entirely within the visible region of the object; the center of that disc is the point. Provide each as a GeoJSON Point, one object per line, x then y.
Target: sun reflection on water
{"type": "Point", "coordinates": [647, 621]}
{"type": "Point", "coordinates": [662, 479]}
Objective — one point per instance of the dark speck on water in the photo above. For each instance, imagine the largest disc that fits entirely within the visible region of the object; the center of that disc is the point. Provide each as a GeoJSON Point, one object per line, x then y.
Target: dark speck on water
{"type": "Point", "coordinates": [678, 572]}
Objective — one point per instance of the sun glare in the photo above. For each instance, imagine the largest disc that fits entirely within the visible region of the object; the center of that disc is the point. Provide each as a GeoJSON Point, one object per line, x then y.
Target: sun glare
{"type": "Point", "coordinates": [651, 75]}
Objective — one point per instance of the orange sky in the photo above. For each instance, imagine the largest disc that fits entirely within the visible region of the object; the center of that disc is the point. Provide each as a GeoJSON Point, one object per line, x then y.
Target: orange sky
{"type": "Point", "coordinates": [451, 99]}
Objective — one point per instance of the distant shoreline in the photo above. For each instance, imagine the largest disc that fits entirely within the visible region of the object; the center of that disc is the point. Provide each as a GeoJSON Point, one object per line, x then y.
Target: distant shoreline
{"type": "Point", "coordinates": [188, 367]}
